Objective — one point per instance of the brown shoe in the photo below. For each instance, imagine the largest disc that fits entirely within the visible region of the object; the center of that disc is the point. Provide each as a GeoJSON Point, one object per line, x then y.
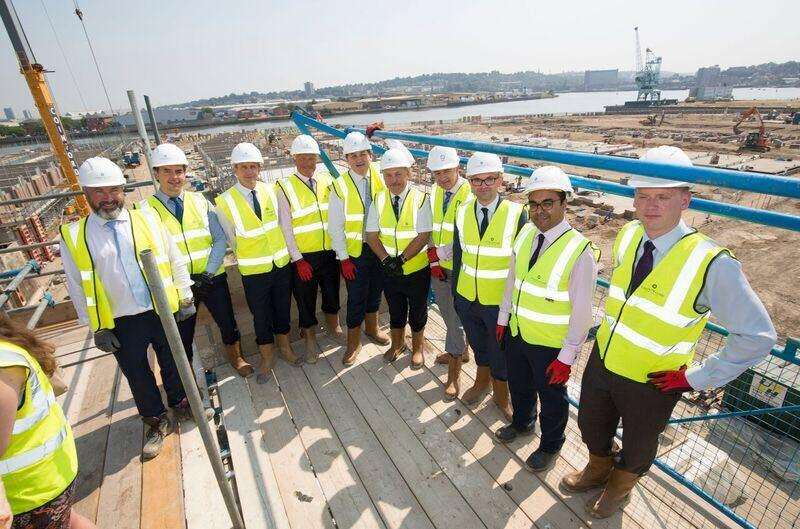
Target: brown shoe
{"type": "Point", "coordinates": [267, 352]}
{"type": "Point", "coordinates": [353, 346]}
{"type": "Point", "coordinates": [481, 387]}
{"type": "Point", "coordinates": [501, 398]}
{"type": "Point", "coordinates": [312, 347]}
{"type": "Point", "coordinates": [332, 327]}
{"type": "Point", "coordinates": [466, 355]}
{"type": "Point", "coordinates": [235, 359]}
{"type": "Point", "coordinates": [444, 358]}
{"type": "Point", "coordinates": [398, 345]}
{"type": "Point", "coordinates": [614, 496]}
{"type": "Point", "coordinates": [595, 474]}
{"type": "Point", "coordinates": [417, 349]}
{"type": "Point", "coordinates": [286, 351]}
{"type": "Point", "coordinates": [372, 331]}
{"type": "Point", "coordinates": [451, 388]}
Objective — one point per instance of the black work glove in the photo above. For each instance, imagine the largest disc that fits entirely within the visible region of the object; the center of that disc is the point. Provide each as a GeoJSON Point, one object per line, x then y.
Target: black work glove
{"type": "Point", "coordinates": [106, 340]}
{"type": "Point", "coordinates": [392, 266]}
{"type": "Point", "coordinates": [202, 285]}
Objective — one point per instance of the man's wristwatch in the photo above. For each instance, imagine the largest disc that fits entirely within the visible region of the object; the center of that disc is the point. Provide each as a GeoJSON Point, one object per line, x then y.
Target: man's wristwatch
{"type": "Point", "coordinates": [402, 258]}
{"type": "Point", "coordinates": [187, 302]}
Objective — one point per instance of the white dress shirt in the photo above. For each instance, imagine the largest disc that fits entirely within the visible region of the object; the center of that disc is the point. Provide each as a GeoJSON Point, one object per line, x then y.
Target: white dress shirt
{"type": "Point", "coordinates": [445, 251]}
{"type": "Point", "coordinates": [336, 213]}
{"type": "Point", "coordinates": [424, 219]}
{"type": "Point", "coordinates": [582, 281]}
{"type": "Point", "coordinates": [108, 267]}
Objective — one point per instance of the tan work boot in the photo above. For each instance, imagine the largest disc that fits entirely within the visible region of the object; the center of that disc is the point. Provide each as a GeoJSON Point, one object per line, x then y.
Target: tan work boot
{"type": "Point", "coordinates": [417, 349]}
{"type": "Point", "coordinates": [481, 387]}
{"type": "Point", "coordinates": [371, 329]}
{"type": "Point", "coordinates": [333, 328]}
{"type": "Point", "coordinates": [157, 428]}
{"type": "Point", "coordinates": [451, 388]}
{"type": "Point", "coordinates": [398, 345]}
{"type": "Point", "coordinates": [444, 358]}
{"type": "Point", "coordinates": [235, 359]}
{"type": "Point", "coordinates": [267, 352]}
{"type": "Point", "coordinates": [614, 496]}
{"type": "Point", "coordinates": [312, 347]}
{"type": "Point", "coordinates": [353, 346]}
{"type": "Point", "coordinates": [595, 474]}
{"type": "Point", "coordinates": [286, 351]}
{"type": "Point", "coordinates": [501, 398]}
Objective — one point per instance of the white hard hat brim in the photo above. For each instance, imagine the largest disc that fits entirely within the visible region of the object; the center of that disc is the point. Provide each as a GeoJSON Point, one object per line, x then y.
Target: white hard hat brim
{"type": "Point", "coordinates": [641, 182]}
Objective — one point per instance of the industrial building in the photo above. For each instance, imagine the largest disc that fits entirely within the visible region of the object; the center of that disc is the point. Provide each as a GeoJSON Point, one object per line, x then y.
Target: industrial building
{"type": "Point", "coordinates": [600, 79]}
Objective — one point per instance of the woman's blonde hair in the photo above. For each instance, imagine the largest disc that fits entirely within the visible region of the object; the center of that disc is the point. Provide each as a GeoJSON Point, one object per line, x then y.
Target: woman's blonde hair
{"type": "Point", "coordinates": [42, 351]}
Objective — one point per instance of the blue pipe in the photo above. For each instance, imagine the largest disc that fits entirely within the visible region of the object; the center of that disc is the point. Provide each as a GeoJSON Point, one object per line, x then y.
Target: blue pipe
{"type": "Point", "coordinates": [12, 273]}
{"type": "Point", "coordinates": [304, 130]}
{"type": "Point", "coordinates": [741, 413]}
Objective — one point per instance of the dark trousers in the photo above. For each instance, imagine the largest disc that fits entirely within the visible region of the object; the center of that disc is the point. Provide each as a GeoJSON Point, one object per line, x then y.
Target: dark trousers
{"type": "Point", "coordinates": [364, 294]}
{"type": "Point", "coordinates": [407, 297]}
{"type": "Point", "coordinates": [480, 322]}
{"type": "Point", "coordinates": [269, 299]}
{"type": "Point", "coordinates": [135, 333]}
{"type": "Point", "coordinates": [218, 302]}
{"type": "Point", "coordinates": [606, 398]}
{"type": "Point", "coordinates": [527, 383]}
{"type": "Point", "coordinates": [324, 279]}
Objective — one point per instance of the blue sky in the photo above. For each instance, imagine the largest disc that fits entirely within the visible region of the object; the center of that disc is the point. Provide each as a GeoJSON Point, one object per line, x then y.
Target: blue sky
{"type": "Point", "coordinates": [177, 50]}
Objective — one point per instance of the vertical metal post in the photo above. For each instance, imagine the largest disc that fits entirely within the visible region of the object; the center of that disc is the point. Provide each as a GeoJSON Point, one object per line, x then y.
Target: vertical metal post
{"type": "Point", "coordinates": [187, 378]}
{"type": "Point", "coordinates": [152, 117]}
{"type": "Point", "coordinates": [142, 133]}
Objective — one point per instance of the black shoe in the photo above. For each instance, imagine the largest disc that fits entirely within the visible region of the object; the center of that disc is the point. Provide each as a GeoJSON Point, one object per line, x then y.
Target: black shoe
{"type": "Point", "coordinates": [506, 434]}
{"type": "Point", "coordinates": [539, 461]}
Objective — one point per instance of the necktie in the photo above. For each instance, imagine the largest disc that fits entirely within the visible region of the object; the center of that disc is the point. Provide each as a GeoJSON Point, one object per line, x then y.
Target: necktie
{"type": "Point", "coordinates": [447, 196]}
{"type": "Point", "coordinates": [256, 205]}
{"type": "Point", "coordinates": [643, 267]}
{"type": "Point", "coordinates": [396, 207]}
{"type": "Point", "coordinates": [178, 204]}
{"type": "Point", "coordinates": [484, 221]}
{"type": "Point", "coordinates": [312, 184]}
{"type": "Point", "coordinates": [127, 258]}
{"type": "Point", "coordinates": [367, 186]}
{"type": "Point", "coordinates": [535, 255]}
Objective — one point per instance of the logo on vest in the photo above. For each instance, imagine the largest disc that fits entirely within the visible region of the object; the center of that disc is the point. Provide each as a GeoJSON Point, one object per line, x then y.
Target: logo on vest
{"type": "Point", "coordinates": [652, 288]}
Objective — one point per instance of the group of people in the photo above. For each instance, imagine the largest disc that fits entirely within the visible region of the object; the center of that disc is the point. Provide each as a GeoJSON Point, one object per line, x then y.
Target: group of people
{"type": "Point", "coordinates": [514, 282]}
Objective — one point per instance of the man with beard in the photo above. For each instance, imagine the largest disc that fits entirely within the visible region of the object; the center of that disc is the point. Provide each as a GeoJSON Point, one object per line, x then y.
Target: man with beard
{"type": "Point", "coordinates": [110, 292]}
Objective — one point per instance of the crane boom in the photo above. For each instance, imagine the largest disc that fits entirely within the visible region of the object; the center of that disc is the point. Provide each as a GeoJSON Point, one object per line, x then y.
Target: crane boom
{"type": "Point", "coordinates": [638, 59]}
{"type": "Point", "coordinates": [34, 74]}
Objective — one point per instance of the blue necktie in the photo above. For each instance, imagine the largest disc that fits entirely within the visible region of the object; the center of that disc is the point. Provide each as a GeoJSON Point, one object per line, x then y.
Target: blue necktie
{"type": "Point", "coordinates": [178, 204]}
{"type": "Point", "coordinates": [447, 196]}
{"type": "Point", "coordinates": [127, 258]}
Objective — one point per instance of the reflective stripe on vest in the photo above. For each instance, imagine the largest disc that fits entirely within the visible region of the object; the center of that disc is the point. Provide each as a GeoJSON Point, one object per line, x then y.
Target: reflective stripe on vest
{"type": "Point", "coordinates": [146, 234]}
{"type": "Point", "coordinates": [396, 234]}
{"type": "Point", "coordinates": [192, 235]}
{"type": "Point", "coordinates": [444, 222]}
{"type": "Point", "coordinates": [353, 206]}
{"type": "Point", "coordinates": [309, 211]}
{"type": "Point", "coordinates": [40, 460]}
{"type": "Point", "coordinates": [259, 242]}
{"type": "Point", "coordinates": [485, 260]}
{"type": "Point", "coordinates": [657, 327]}
{"type": "Point", "coordinates": [541, 307]}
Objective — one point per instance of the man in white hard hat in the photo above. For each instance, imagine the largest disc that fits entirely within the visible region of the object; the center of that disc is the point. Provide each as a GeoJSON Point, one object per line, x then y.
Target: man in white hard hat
{"type": "Point", "coordinates": [666, 281]}
{"type": "Point", "coordinates": [484, 235]}
{"type": "Point", "coordinates": [304, 196]}
{"type": "Point", "coordinates": [108, 287]}
{"type": "Point", "coordinates": [250, 216]}
{"type": "Point", "coordinates": [547, 302]}
{"type": "Point", "coordinates": [193, 224]}
{"type": "Point", "coordinates": [450, 192]}
{"type": "Point", "coordinates": [353, 194]}
{"type": "Point", "coordinates": [398, 228]}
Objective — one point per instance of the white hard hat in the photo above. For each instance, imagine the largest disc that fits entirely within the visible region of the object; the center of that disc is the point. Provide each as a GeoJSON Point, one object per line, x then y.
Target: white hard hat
{"type": "Point", "coordinates": [397, 144]}
{"type": "Point", "coordinates": [100, 172]}
{"type": "Point", "coordinates": [394, 158]}
{"type": "Point", "coordinates": [666, 154]}
{"type": "Point", "coordinates": [168, 154]}
{"type": "Point", "coordinates": [304, 144]}
{"type": "Point", "coordinates": [441, 158]}
{"type": "Point", "coordinates": [356, 142]}
{"type": "Point", "coordinates": [548, 177]}
{"type": "Point", "coordinates": [483, 162]}
{"type": "Point", "coordinates": [246, 152]}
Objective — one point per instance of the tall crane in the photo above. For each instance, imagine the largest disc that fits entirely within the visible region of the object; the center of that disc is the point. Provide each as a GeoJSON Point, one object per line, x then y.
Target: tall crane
{"type": "Point", "coordinates": [34, 74]}
{"type": "Point", "coordinates": [647, 75]}
{"type": "Point", "coordinates": [638, 59]}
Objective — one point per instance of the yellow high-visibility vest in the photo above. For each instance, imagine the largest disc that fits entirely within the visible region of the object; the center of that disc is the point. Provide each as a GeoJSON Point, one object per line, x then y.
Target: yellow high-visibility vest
{"type": "Point", "coordinates": [444, 221]}
{"type": "Point", "coordinates": [146, 233]}
{"type": "Point", "coordinates": [309, 211]}
{"type": "Point", "coordinates": [259, 242]}
{"type": "Point", "coordinates": [656, 327]}
{"type": "Point", "coordinates": [354, 211]}
{"type": "Point", "coordinates": [40, 461]}
{"type": "Point", "coordinates": [397, 234]}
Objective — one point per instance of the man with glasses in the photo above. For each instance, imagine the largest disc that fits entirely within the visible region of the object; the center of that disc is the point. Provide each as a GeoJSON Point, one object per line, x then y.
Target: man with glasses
{"type": "Point", "coordinates": [484, 234]}
{"type": "Point", "coordinates": [548, 305]}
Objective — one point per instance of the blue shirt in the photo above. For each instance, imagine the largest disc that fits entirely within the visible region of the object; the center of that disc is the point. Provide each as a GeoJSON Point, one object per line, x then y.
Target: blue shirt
{"type": "Point", "coordinates": [218, 241]}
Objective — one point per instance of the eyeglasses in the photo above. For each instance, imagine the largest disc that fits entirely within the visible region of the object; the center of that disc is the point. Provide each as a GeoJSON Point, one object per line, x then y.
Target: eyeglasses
{"type": "Point", "coordinates": [546, 205]}
{"type": "Point", "coordinates": [478, 182]}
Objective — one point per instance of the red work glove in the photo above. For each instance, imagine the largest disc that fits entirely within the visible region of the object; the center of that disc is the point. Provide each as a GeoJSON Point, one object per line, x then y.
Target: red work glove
{"type": "Point", "coordinates": [432, 255]}
{"type": "Point", "coordinates": [670, 381]}
{"type": "Point", "coordinates": [500, 332]}
{"type": "Point", "coordinates": [438, 272]}
{"type": "Point", "coordinates": [348, 269]}
{"type": "Point", "coordinates": [304, 270]}
{"type": "Point", "coordinates": [372, 127]}
{"type": "Point", "coordinates": [557, 372]}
